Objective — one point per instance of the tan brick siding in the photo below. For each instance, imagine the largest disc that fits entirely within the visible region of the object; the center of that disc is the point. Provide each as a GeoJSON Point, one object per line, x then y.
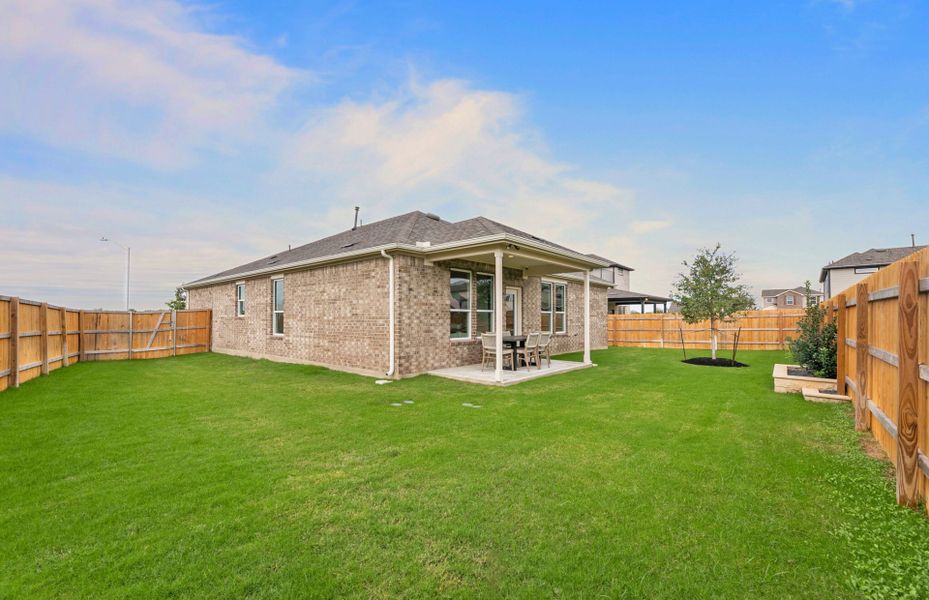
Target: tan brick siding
{"type": "Point", "coordinates": [337, 316]}
{"type": "Point", "coordinates": [334, 315]}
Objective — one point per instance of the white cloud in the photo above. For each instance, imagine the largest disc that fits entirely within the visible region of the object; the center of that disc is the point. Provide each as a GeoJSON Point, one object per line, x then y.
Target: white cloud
{"type": "Point", "coordinates": [137, 80]}
{"type": "Point", "coordinates": [447, 145]}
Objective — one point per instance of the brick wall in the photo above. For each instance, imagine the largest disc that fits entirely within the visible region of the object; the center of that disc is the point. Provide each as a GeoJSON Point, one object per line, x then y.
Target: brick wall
{"type": "Point", "coordinates": [337, 316]}
{"type": "Point", "coordinates": [334, 315]}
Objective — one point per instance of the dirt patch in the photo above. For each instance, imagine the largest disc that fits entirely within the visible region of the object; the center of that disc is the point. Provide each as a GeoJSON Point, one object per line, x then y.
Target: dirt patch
{"type": "Point", "coordinates": [703, 361]}
{"type": "Point", "coordinates": [873, 449]}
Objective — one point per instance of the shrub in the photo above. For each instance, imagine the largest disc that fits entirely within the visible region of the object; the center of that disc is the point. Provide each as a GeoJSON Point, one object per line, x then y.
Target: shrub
{"type": "Point", "coordinates": [815, 348]}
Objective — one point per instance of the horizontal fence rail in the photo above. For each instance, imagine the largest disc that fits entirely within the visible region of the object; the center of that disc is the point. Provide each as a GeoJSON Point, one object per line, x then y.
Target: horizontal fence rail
{"type": "Point", "coordinates": [37, 338]}
{"type": "Point", "coordinates": [883, 365]}
{"type": "Point", "coordinates": [756, 329]}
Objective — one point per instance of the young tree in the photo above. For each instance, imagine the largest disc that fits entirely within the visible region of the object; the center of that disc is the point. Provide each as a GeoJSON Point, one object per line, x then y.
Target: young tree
{"type": "Point", "coordinates": [710, 290]}
{"type": "Point", "coordinates": [180, 300]}
{"type": "Point", "coordinates": [815, 347]}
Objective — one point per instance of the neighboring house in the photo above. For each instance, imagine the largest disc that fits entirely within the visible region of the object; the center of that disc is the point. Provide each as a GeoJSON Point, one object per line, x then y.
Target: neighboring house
{"type": "Point", "coordinates": [620, 300]}
{"type": "Point", "coordinates": [434, 284]}
{"type": "Point", "coordinates": [846, 272]}
{"type": "Point", "coordinates": [787, 297]}
{"type": "Point", "coordinates": [623, 302]}
{"type": "Point", "coordinates": [617, 275]}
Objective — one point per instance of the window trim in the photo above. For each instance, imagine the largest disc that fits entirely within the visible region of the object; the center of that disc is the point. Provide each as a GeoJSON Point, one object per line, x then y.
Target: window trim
{"type": "Point", "coordinates": [493, 302]}
{"type": "Point", "coordinates": [789, 300]}
{"type": "Point", "coordinates": [240, 300]}
{"type": "Point", "coordinates": [459, 310]}
{"type": "Point", "coordinates": [552, 311]}
{"type": "Point", "coordinates": [274, 280]}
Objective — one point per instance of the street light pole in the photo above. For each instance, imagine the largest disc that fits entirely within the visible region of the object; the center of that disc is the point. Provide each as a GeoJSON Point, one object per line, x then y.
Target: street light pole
{"type": "Point", "coordinates": [128, 259]}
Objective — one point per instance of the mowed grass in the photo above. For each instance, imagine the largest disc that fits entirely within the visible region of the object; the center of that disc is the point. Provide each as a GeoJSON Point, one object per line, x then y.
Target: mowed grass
{"type": "Point", "coordinates": [216, 476]}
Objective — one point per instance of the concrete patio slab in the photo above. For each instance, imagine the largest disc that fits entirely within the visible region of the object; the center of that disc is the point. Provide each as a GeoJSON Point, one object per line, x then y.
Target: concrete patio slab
{"type": "Point", "coordinates": [474, 374]}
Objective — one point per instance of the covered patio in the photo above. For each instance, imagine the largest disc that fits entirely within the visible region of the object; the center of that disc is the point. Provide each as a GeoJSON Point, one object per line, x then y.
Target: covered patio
{"type": "Point", "coordinates": [530, 261]}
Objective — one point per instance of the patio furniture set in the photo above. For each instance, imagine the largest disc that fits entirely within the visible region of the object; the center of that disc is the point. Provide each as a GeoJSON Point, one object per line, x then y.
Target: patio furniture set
{"type": "Point", "coordinates": [518, 350]}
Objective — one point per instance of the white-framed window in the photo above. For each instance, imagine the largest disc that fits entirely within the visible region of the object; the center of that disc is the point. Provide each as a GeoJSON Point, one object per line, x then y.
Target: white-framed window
{"type": "Point", "coordinates": [789, 300]}
{"type": "Point", "coordinates": [277, 306]}
{"type": "Point", "coordinates": [240, 299]}
{"type": "Point", "coordinates": [553, 307]}
{"type": "Point", "coordinates": [484, 302]}
{"type": "Point", "coordinates": [459, 285]}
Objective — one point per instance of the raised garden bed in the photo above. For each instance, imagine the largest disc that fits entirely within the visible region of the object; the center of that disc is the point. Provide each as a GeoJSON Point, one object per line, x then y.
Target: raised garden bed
{"type": "Point", "coordinates": [791, 379]}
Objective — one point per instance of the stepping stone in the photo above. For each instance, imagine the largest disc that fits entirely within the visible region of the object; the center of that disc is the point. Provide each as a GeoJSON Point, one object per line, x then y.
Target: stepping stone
{"type": "Point", "coordinates": [382, 381]}
{"type": "Point", "coordinates": [395, 404]}
{"type": "Point", "coordinates": [408, 402]}
{"type": "Point", "coordinates": [468, 404]}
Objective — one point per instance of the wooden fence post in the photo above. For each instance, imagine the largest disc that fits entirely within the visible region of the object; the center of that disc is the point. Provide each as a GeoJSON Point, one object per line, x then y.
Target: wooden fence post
{"type": "Point", "coordinates": [14, 342]}
{"type": "Point", "coordinates": [43, 323]}
{"type": "Point", "coordinates": [64, 337]}
{"type": "Point", "coordinates": [908, 394]}
{"type": "Point", "coordinates": [863, 358]}
{"type": "Point", "coordinates": [841, 345]}
{"type": "Point", "coordinates": [81, 342]}
{"type": "Point", "coordinates": [130, 334]}
{"type": "Point", "coordinates": [174, 332]}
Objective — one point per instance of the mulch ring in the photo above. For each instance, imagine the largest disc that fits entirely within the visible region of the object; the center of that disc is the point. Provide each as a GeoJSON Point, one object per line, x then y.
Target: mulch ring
{"type": "Point", "coordinates": [705, 361]}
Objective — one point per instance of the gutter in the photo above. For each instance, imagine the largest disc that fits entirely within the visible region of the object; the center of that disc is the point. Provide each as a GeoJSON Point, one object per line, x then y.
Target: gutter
{"type": "Point", "coordinates": [391, 317]}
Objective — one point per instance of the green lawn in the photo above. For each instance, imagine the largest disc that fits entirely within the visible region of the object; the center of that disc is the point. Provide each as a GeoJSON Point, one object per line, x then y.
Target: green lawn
{"type": "Point", "coordinates": [210, 475]}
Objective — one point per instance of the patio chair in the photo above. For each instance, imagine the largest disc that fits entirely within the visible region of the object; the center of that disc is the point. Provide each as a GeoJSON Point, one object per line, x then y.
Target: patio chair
{"type": "Point", "coordinates": [489, 348]}
{"type": "Point", "coordinates": [529, 352]}
{"type": "Point", "coordinates": [544, 348]}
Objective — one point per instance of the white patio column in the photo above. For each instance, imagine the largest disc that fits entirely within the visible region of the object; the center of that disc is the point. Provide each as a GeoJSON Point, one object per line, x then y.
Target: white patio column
{"type": "Point", "coordinates": [586, 317]}
{"type": "Point", "coordinates": [498, 312]}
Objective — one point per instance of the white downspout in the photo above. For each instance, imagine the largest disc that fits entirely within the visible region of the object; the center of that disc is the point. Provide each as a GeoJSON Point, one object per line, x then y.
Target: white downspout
{"type": "Point", "coordinates": [390, 311]}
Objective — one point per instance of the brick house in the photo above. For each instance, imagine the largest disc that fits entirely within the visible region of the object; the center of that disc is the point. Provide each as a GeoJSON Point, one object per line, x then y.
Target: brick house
{"type": "Point", "coordinates": [404, 296]}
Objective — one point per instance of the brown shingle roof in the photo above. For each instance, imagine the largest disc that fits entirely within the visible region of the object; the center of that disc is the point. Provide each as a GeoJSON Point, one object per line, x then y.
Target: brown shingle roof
{"type": "Point", "coordinates": [409, 229]}
{"type": "Point", "coordinates": [873, 257]}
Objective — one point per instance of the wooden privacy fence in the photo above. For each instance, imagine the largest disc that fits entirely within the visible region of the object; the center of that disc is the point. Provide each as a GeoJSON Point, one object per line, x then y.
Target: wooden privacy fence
{"type": "Point", "coordinates": [760, 330]}
{"type": "Point", "coordinates": [883, 364]}
{"type": "Point", "coordinates": [37, 338]}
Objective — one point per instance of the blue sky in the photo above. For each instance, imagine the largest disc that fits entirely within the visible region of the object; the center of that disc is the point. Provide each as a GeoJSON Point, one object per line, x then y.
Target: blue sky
{"type": "Point", "coordinates": [207, 135]}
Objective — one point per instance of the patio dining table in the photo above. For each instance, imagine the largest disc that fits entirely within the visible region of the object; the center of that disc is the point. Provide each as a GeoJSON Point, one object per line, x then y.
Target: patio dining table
{"type": "Point", "coordinates": [513, 342]}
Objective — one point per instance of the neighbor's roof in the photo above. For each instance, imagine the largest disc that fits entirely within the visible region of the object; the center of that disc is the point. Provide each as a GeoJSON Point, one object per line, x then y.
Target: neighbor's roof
{"type": "Point", "coordinates": [875, 257]}
{"type": "Point", "coordinates": [778, 291]}
{"type": "Point", "coordinates": [627, 297]}
{"type": "Point", "coordinates": [409, 230]}
{"type": "Point", "coordinates": [613, 263]}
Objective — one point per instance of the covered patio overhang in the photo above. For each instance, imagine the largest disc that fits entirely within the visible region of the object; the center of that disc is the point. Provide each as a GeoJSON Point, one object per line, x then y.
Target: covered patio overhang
{"type": "Point", "coordinates": [531, 262]}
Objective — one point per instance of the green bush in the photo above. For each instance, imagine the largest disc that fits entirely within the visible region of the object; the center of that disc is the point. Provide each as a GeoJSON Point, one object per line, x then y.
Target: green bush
{"type": "Point", "coordinates": [815, 348]}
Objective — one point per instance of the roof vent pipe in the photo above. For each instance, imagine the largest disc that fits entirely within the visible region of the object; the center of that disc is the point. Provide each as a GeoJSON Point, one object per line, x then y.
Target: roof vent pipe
{"type": "Point", "coordinates": [355, 225]}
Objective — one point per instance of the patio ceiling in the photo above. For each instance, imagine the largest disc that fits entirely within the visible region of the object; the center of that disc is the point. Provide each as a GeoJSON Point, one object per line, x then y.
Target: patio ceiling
{"type": "Point", "coordinates": [531, 262]}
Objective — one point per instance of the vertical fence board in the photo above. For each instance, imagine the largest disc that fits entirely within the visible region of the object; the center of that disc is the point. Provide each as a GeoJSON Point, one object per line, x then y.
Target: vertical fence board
{"type": "Point", "coordinates": [908, 388]}
{"type": "Point", "coordinates": [862, 417]}
{"type": "Point", "coordinates": [14, 342]}
{"type": "Point", "coordinates": [841, 346]}
{"type": "Point", "coordinates": [43, 324]}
